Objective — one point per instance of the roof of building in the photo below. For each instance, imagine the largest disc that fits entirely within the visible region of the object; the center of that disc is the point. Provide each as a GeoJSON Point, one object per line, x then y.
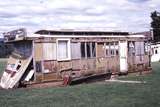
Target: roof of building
{"type": "Point", "coordinates": [20, 34]}
{"type": "Point", "coordinates": [78, 32]}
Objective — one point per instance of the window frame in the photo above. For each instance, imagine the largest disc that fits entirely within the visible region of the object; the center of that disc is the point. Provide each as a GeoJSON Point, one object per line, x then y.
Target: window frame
{"type": "Point", "coordinates": [156, 51]}
{"type": "Point", "coordinates": [90, 49]}
{"type": "Point", "coordinates": [68, 49]}
{"type": "Point", "coordinates": [109, 52]}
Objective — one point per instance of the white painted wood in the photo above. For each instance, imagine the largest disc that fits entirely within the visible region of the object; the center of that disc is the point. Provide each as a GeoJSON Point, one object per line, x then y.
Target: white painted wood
{"type": "Point", "coordinates": [9, 82]}
{"type": "Point", "coordinates": [123, 56]}
{"type": "Point", "coordinates": [49, 51]}
{"type": "Point", "coordinates": [14, 80]}
{"type": "Point", "coordinates": [155, 56]}
{"type": "Point", "coordinates": [29, 76]}
{"type": "Point", "coordinates": [86, 36]}
{"type": "Point", "coordinates": [63, 50]}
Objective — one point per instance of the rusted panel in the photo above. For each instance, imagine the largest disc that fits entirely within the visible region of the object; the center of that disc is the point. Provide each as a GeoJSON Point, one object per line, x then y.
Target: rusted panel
{"type": "Point", "coordinates": [50, 65]}
{"type": "Point", "coordinates": [91, 66]}
{"type": "Point", "coordinates": [88, 63]}
{"type": "Point", "coordinates": [64, 65]}
{"type": "Point", "coordinates": [51, 77]}
{"type": "Point", "coordinates": [76, 64]}
{"type": "Point", "coordinates": [54, 66]}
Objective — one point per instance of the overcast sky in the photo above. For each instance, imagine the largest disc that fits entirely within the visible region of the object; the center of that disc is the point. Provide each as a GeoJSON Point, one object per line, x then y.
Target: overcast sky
{"type": "Point", "coordinates": [119, 15]}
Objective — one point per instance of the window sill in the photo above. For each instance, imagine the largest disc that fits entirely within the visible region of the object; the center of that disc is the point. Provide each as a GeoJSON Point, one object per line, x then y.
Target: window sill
{"type": "Point", "coordinates": [61, 60]}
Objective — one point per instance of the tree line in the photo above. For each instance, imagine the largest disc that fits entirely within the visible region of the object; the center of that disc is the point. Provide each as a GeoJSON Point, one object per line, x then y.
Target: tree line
{"type": "Point", "coordinates": [155, 24]}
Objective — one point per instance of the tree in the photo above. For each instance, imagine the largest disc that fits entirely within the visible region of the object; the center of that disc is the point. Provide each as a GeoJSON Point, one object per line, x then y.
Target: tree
{"type": "Point", "coordinates": [155, 24]}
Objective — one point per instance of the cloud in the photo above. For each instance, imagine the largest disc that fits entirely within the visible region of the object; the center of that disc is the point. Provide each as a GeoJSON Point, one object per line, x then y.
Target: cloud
{"type": "Point", "coordinates": [138, 1]}
{"type": "Point", "coordinates": [124, 15]}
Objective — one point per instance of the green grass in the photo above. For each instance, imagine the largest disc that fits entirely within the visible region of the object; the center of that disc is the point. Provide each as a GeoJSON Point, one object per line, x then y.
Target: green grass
{"type": "Point", "coordinates": [90, 95]}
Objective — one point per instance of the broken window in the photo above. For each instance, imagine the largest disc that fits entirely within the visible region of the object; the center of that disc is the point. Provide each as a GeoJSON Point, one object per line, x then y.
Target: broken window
{"type": "Point", "coordinates": [131, 47]}
{"type": "Point", "coordinates": [116, 48]}
{"type": "Point", "coordinates": [83, 49]}
{"type": "Point", "coordinates": [107, 49]}
{"type": "Point", "coordinates": [156, 52]}
{"type": "Point", "coordinates": [111, 48]}
{"type": "Point", "coordinates": [88, 49]}
{"type": "Point", "coordinates": [139, 48]}
{"type": "Point", "coordinates": [22, 49]}
{"type": "Point", "coordinates": [93, 49]}
{"type": "Point", "coordinates": [63, 47]}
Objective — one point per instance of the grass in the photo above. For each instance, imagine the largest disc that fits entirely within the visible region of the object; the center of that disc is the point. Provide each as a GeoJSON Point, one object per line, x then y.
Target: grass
{"type": "Point", "coordinates": [90, 95]}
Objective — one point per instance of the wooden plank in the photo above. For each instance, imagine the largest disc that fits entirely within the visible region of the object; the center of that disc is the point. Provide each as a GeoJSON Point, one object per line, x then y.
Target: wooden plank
{"type": "Point", "coordinates": [9, 80]}
{"type": "Point", "coordinates": [38, 51]}
{"type": "Point", "coordinates": [49, 51]}
{"type": "Point", "coordinates": [100, 50]}
{"type": "Point", "coordinates": [75, 51]}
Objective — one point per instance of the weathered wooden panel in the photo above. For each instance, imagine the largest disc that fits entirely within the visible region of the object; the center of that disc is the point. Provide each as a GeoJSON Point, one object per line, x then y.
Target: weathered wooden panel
{"type": "Point", "coordinates": [76, 64]}
{"type": "Point", "coordinates": [114, 63]}
{"type": "Point", "coordinates": [51, 77]}
{"type": "Point", "coordinates": [131, 63]}
{"type": "Point", "coordinates": [139, 48]}
{"type": "Point", "coordinates": [47, 66]}
{"type": "Point", "coordinates": [54, 66]}
{"type": "Point", "coordinates": [101, 63]}
{"type": "Point", "coordinates": [86, 64]}
{"type": "Point", "coordinates": [100, 50]}
{"type": "Point", "coordinates": [38, 51]}
{"type": "Point", "coordinates": [50, 65]}
{"type": "Point", "coordinates": [14, 71]}
{"type": "Point", "coordinates": [108, 64]}
{"type": "Point", "coordinates": [49, 51]}
{"type": "Point", "coordinates": [75, 51]}
{"type": "Point", "coordinates": [64, 65]}
{"type": "Point", "coordinates": [137, 63]}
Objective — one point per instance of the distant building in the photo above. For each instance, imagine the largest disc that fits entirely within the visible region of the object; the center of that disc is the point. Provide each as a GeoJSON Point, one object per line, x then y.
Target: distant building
{"type": "Point", "coordinates": [155, 52]}
{"type": "Point", "coordinates": [155, 46]}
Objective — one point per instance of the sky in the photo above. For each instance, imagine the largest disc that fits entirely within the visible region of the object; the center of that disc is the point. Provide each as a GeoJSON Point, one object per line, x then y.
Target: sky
{"type": "Point", "coordinates": [110, 15]}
